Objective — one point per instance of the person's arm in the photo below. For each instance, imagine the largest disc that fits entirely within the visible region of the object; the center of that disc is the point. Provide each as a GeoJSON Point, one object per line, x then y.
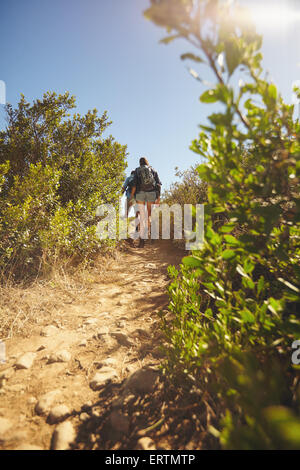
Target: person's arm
{"type": "Point", "coordinates": [133, 190]}
{"type": "Point", "coordinates": [125, 185]}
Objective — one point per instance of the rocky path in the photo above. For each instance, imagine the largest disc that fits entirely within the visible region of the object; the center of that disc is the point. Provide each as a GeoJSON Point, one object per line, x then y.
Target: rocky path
{"type": "Point", "coordinates": [67, 384]}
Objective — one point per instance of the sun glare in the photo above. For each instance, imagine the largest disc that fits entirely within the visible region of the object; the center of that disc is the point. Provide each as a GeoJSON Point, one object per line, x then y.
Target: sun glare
{"type": "Point", "coordinates": [274, 15]}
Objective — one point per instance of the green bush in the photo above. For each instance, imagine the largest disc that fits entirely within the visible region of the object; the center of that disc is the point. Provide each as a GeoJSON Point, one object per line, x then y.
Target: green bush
{"type": "Point", "coordinates": [188, 190]}
{"type": "Point", "coordinates": [236, 301]}
{"type": "Point", "coordinates": [55, 169]}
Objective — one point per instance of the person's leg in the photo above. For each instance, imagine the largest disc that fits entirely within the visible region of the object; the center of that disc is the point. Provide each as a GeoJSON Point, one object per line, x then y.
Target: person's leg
{"type": "Point", "coordinates": [151, 197]}
{"type": "Point", "coordinates": [141, 207]}
{"type": "Point", "coordinates": [137, 222]}
{"type": "Point", "coordinates": [149, 211]}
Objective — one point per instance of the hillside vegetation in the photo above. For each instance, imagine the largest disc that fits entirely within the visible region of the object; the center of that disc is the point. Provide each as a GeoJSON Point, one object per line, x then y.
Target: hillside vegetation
{"type": "Point", "coordinates": [55, 169]}
{"type": "Point", "coordinates": [235, 303]}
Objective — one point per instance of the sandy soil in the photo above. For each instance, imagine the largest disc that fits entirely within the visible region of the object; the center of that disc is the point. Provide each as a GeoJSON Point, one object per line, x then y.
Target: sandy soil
{"type": "Point", "coordinates": [115, 324]}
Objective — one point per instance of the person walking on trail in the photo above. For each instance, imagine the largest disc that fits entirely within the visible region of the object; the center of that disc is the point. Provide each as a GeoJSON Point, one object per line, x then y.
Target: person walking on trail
{"type": "Point", "coordinates": [146, 190]}
{"type": "Point", "coordinates": [130, 202]}
{"type": "Point", "coordinates": [127, 188]}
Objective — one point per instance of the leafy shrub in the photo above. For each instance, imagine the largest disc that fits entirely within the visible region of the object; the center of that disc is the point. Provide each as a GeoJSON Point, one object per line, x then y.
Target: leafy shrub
{"type": "Point", "coordinates": [55, 169]}
{"type": "Point", "coordinates": [236, 301]}
{"type": "Point", "coordinates": [188, 190]}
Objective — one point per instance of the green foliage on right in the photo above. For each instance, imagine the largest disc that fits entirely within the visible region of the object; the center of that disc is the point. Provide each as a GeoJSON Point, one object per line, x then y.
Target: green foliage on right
{"type": "Point", "coordinates": [236, 302]}
{"type": "Point", "coordinates": [55, 169]}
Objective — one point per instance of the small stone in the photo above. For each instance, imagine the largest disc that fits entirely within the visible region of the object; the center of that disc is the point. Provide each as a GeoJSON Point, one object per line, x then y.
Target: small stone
{"type": "Point", "coordinates": [119, 422]}
{"type": "Point", "coordinates": [96, 413]}
{"type": "Point", "coordinates": [26, 446]}
{"type": "Point", "coordinates": [83, 343]}
{"type": "Point", "coordinates": [91, 321]}
{"type": "Point", "coordinates": [63, 436]}
{"type": "Point", "coordinates": [104, 314]}
{"type": "Point", "coordinates": [41, 348]}
{"type": "Point", "coordinates": [145, 443]}
{"type": "Point", "coordinates": [142, 381]}
{"type": "Point", "coordinates": [44, 404]}
{"type": "Point", "coordinates": [106, 374]}
{"type": "Point", "coordinates": [49, 330]}
{"type": "Point", "coordinates": [25, 361]}
{"type": "Point", "coordinates": [150, 266]}
{"type": "Point", "coordinates": [120, 324]}
{"type": "Point", "coordinates": [60, 356]}
{"type": "Point", "coordinates": [58, 414]}
{"type": "Point", "coordinates": [31, 400]}
{"type": "Point", "coordinates": [84, 416]}
{"type": "Point", "coordinates": [100, 333]}
{"type": "Point", "coordinates": [109, 361]}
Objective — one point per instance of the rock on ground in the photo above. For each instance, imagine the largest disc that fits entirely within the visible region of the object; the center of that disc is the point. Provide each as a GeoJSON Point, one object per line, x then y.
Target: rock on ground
{"type": "Point", "coordinates": [106, 374]}
{"type": "Point", "coordinates": [25, 361]}
{"type": "Point", "coordinates": [91, 321]}
{"type": "Point", "coordinates": [145, 443]}
{"type": "Point", "coordinates": [58, 413]}
{"type": "Point", "coordinates": [49, 330]}
{"type": "Point", "coordinates": [63, 436]}
{"type": "Point", "coordinates": [60, 356]}
{"type": "Point", "coordinates": [46, 401]}
{"type": "Point", "coordinates": [142, 381]}
{"type": "Point", "coordinates": [109, 361]}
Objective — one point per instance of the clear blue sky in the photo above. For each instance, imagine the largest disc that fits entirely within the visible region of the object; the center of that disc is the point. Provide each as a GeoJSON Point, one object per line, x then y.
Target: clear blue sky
{"type": "Point", "coordinates": [107, 54]}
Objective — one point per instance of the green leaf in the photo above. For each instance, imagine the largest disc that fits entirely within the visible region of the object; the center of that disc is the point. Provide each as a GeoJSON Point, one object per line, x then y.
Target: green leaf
{"type": "Point", "coordinates": [169, 39]}
{"type": "Point", "coordinates": [191, 56]}
{"type": "Point", "coordinates": [247, 316]}
{"type": "Point", "coordinates": [209, 96]}
{"type": "Point", "coordinates": [228, 254]}
{"type": "Point", "coordinates": [232, 55]}
{"type": "Point", "coordinates": [227, 228]}
{"type": "Point", "coordinates": [272, 90]}
{"type": "Point", "coordinates": [231, 240]}
{"type": "Point", "coordinates": [192, 261]}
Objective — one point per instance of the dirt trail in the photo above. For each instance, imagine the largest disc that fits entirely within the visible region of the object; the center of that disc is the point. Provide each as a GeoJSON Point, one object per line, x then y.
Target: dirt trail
{"type": "Point", "coordinates": [99, 339]}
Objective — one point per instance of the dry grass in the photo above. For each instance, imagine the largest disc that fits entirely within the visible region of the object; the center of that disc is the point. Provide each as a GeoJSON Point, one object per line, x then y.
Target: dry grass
{"type": "Point", "coordinates": [26, 305]}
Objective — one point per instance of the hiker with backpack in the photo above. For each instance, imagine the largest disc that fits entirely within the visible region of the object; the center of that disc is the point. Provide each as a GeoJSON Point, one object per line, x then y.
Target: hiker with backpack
{"type": "Point", "coordinates": [146, 190]}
